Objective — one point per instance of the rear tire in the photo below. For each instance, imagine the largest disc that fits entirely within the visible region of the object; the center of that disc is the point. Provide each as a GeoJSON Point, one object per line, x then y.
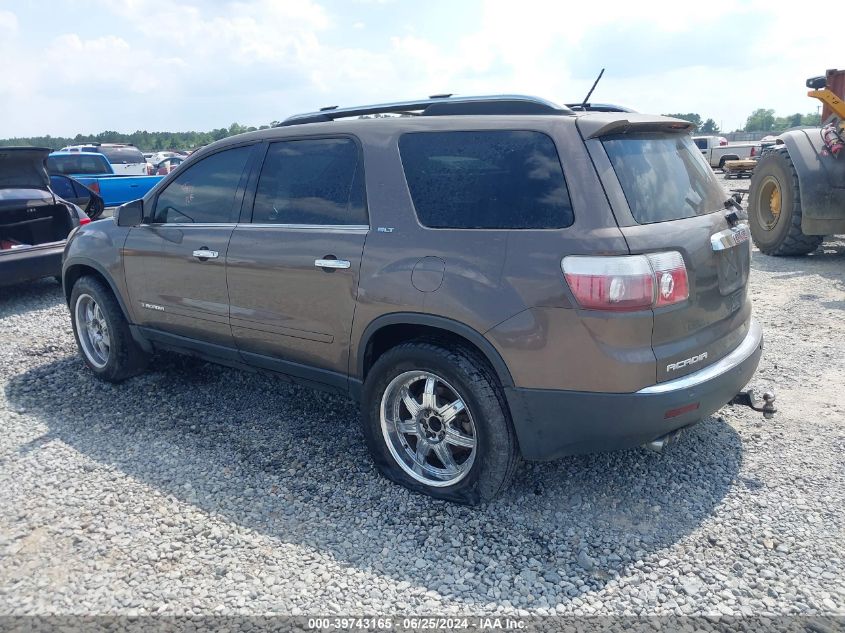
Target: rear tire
{"type": "Point", "coordinates": [102, 332]}
{"type": "Point", "coordinates": [774, 208]}
{"type": "Point", "coordinates": [407, 432]}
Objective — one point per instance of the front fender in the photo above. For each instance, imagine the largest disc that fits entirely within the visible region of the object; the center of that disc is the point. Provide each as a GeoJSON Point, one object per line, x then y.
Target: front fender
{"type": "Point", "coordinates": [98, 246]}
{"type": "Point", "coordinates": [821, 182]}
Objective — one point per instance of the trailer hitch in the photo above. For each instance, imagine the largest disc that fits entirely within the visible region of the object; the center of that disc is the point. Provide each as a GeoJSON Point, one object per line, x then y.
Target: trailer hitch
{"type": "Point", "coordinates": [747, 399]}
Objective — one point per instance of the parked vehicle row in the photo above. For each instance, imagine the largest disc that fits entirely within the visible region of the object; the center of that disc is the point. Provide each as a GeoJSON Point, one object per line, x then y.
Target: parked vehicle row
{"type": "Point", "coordinates": [126, 160]}
{"type": "Point", "coordinates": [96, 172]}
{"type": "Point", "coordinates": [490, 288]}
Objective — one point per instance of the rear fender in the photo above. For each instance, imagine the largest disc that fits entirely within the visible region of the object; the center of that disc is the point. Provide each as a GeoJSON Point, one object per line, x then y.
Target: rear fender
{"type": "Point", "coordinates": [821, 181]}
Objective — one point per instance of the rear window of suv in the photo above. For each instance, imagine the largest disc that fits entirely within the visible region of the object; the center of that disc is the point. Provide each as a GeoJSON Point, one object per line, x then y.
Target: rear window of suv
{"type": "Point", "coordinates": [497, 179]}
{"type": "Point", "coordinates": [664, 176]}
{"type": "Point", "coordinates": [122, 155]}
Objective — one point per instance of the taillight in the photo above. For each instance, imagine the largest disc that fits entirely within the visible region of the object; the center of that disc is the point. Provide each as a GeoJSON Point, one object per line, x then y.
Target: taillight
{"type": "Point", "coordinates": [610, 283]}
{"type": "Point", "coordinates": [670, 276]}
{"type": "Point", "coordinates": [722, 141]}
{"type": "Point", "coordinates": [94, 186]}
{"type": "Point", "coordinates": [84, 220]}
{"type": "Point", "coordinates": [627, 282]}
{"type": "Point", "coordinates": [753, 151]}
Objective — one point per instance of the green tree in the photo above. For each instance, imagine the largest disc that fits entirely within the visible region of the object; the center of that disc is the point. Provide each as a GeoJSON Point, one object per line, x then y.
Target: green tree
{"type": "Point", "coordinates": [709, 127]}
{"type": "Point", "coordinates": [143, 139]}
{"type": "Point", "coordinates": [812, 119]}
{"type": "Point", "coordinates": [786, 122]}
{"type": "Point", "coordinates": [692, 117]}
{"type": "Point", "coordinates": [761, 120]}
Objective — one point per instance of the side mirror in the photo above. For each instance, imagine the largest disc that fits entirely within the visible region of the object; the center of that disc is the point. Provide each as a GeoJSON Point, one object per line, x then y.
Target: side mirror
{"type": "Point", "coordinates": [130, 214]}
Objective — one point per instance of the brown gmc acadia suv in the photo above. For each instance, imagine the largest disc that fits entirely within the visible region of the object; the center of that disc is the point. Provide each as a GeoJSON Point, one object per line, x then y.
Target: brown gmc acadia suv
{"type": "Point", "coordinates": [492, 277]}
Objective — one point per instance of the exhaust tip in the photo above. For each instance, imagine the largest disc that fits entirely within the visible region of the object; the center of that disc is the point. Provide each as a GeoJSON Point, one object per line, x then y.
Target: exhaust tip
{"type": "Point", "coordinates": [660, 443]}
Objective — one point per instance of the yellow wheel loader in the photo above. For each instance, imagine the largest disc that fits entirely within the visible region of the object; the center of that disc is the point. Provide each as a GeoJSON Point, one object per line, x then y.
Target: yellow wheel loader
{"type": "Point", "coordinates": [797, 191]}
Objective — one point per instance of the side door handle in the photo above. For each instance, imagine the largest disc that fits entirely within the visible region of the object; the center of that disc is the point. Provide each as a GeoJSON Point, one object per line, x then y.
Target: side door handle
{"type": "Point", "coordinates": [331, 263]}
{"type": "Point", "coordinates": [204, 254]}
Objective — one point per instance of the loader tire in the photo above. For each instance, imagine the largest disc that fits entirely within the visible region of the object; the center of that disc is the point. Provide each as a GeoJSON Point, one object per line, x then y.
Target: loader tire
{"type": "Point", "coordinates": [774, 208]}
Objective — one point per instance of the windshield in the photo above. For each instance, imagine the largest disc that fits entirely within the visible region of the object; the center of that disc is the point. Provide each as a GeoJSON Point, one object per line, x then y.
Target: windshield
{"type": "Point", "coordinates": [664, 176]}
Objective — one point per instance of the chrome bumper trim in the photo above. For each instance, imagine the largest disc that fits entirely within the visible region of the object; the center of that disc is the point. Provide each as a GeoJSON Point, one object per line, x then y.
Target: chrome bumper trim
{"type": "Point", "coordinates": [752, 341]}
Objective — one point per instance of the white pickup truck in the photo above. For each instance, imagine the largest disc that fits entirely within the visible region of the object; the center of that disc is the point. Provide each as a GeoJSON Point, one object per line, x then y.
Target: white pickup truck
{"type": "Point", "coordinates": [717, 150]}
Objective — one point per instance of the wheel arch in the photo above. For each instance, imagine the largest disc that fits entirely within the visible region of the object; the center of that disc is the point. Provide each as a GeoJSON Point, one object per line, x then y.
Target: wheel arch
{"type": "Point", "coordinates": [392, 329]}
{"type": "Point", "coordinates": [77, 268]}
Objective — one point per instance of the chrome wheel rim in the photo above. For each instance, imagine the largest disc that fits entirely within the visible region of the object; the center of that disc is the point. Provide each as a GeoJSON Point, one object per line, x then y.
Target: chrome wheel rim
{"type": "Point", "coordinates": [428, 428]}
{"type": "Point", "coordinates": [93, 331]}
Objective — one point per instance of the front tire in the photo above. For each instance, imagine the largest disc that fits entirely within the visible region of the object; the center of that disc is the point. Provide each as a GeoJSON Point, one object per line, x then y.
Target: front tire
{"type": "Point", "coordinates": [102, 333]}
{"type": "Point", "coordinates": [436, 422]}
{"type": "Point", "coordinates": [774, 208]}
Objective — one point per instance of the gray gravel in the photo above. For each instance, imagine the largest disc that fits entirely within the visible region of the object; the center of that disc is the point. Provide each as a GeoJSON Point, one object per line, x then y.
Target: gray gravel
{"type": "Point", "coordinates": [200, 489]}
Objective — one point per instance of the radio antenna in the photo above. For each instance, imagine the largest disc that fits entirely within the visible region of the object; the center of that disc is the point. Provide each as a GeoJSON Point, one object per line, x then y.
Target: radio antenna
{"type": "Point", "coordinates": [595, 83]}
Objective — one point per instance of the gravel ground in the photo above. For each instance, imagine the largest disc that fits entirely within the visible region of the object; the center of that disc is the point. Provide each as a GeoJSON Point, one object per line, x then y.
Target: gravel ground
{"type": "Point", "coordinates": [198, 489]}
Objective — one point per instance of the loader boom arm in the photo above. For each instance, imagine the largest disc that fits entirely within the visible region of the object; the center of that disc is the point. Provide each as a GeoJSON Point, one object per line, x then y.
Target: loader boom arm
{"type": "Point", "coordinates": [828, 97]}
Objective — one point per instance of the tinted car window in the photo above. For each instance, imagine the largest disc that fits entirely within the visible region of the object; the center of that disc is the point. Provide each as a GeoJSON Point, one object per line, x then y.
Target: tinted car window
{"type": "Point", "coordinates": [79, 164]}
{"type": "Point", "coordinates": [122, 155]}
{"type": "Point", "coordinates": [700, 143]}
{"type": "Point", "coordinates": [205, 192]}
{"type": "Point", "coordinates": [316, 181]}
{"type": "Point", "coordinates": [664, 177]}
{"type": "Point", "coordinates": [486, 180]}
{"type": "Point", "coordinates": [62, 186]}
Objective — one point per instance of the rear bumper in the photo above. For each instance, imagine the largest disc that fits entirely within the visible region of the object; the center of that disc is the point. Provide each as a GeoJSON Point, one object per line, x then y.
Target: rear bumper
{"type": "Point", "coordinates": [550, 424]}
{"type": "Point", "coordinates": [25, 265]}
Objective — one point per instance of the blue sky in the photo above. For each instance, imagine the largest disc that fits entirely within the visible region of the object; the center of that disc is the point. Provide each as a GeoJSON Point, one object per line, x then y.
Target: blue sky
{"type": "Point", "coordinates": [72, 66]}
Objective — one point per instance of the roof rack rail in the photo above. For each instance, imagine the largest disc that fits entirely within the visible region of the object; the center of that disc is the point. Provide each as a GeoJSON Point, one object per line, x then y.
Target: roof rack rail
{"type": "Point", "coordinates": [437, 105]}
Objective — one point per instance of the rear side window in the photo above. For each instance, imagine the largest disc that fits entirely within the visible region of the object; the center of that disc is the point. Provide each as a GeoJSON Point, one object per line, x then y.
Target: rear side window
{"type": "Point", "coordinates": [317, 181]}
{"type": "Point", "coordinates": [122, 155]}
{"type": "Point", "coordinates": [78, 164]}
{"type": "Point", "coordinates": [486, 180]}
{"type": "Point", "coordinates": [700, 143]}
{"type": "Point", "coordinates": [664, 177]}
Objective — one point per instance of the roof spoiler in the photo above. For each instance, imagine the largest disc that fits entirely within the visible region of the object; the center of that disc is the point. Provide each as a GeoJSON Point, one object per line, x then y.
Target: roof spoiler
{"type": "Point", "coordinates": [607, 124]}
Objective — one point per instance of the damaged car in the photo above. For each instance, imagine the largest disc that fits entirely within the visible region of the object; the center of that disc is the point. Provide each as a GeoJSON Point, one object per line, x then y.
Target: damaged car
{"type": "Point", "coordinates": [34, 221]}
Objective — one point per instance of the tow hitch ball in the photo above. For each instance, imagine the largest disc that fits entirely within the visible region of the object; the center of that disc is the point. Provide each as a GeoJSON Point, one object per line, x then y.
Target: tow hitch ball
{"type": "Point", "coordinates": [747, 399]}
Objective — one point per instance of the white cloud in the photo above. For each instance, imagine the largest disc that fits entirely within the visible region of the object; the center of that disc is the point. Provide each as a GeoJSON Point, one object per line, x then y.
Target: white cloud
{"type": "Point", "coordinates": [205, 63]}
{"type": "Point", "coordinates": [8, 21]}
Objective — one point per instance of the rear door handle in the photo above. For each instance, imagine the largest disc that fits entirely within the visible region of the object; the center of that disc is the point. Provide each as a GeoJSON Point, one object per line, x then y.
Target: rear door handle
{"type": "Point", "coordinates": [332, 263]}
{"type": "Point", "coordinates": [204, 253]}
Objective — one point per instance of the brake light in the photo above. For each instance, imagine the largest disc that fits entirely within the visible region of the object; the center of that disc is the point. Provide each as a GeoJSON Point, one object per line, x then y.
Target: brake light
{"type": "Point", "coordinates": [94, 186]}
{"type": "Point", "coordinates": [722, 141]}
{"type": "Point", "coordinates": [84, 220]}
{"type": "Point", "coordinates": [627, 283]}
{"type": "Point", "coordinates": [753, 151]}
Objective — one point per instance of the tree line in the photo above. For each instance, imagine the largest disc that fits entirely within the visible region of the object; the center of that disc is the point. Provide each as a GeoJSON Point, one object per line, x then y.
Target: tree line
{"type": "Point", "coordinates": [761, 120]}
{"type": "Point", "coordinates": [142, 139]}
